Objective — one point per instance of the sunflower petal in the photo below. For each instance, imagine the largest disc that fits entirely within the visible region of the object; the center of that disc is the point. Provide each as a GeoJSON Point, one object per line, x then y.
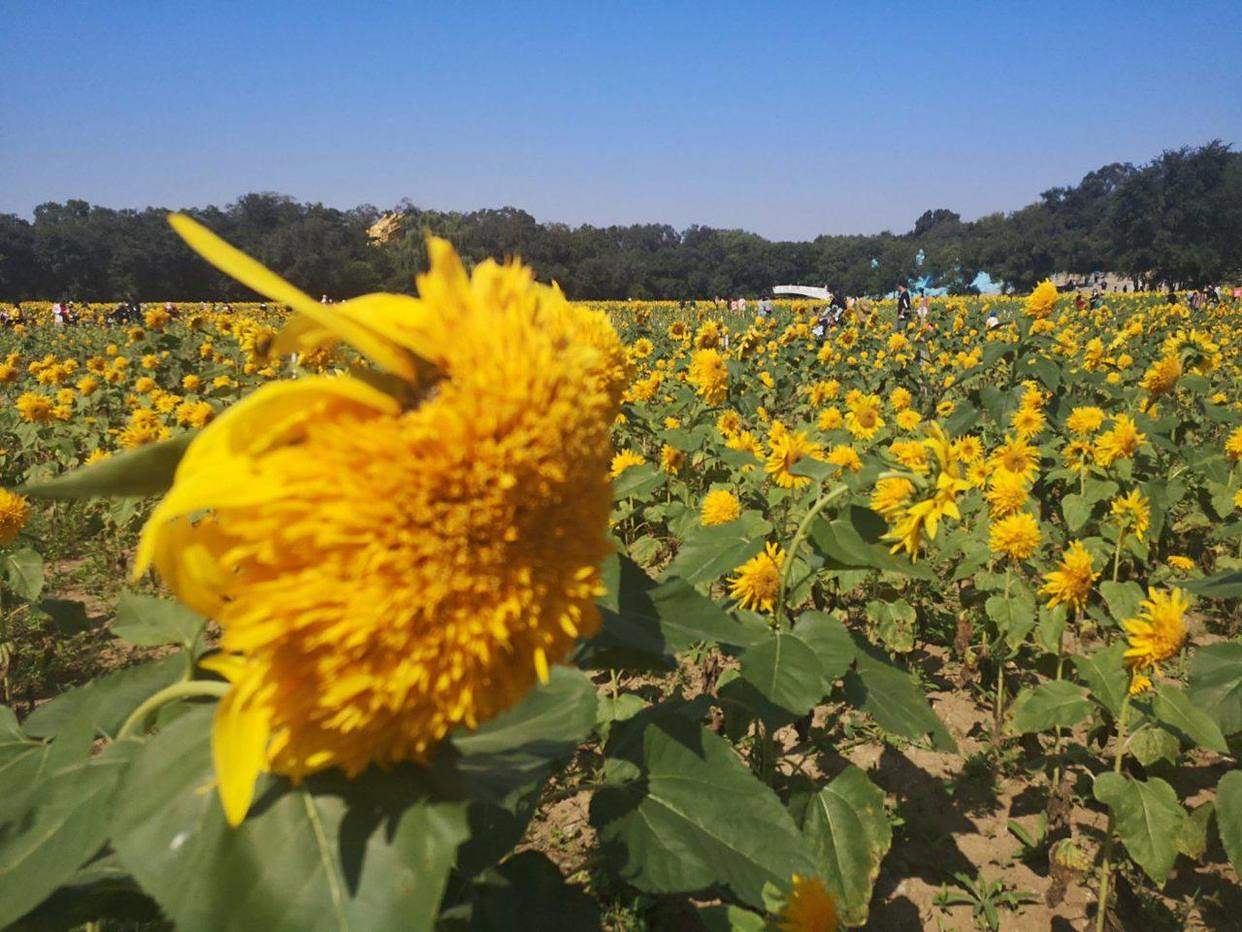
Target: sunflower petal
{"type": "Point", "coordinates": [239, 738]}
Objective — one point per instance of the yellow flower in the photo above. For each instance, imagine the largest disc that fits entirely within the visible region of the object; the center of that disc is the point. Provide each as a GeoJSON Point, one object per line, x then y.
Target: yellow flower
{"type": "Point", "coordinates": [387, 567]}
{"type": "Point", "coordinates": [729, 423]}
{"type": "Point", "coordinates": [787, 448]}
{"type": "Point", "coordinates": [1027, 422]}
{"type": "Point", "coordinates": [1161, 376]}
{"type": "Point", "coordinates": [1041, 301]}
{"type": "Point", "coordinates": [1159, 631]}
{"type": "Point", "coordinates": [829, 418]}
{"type": "Point", "coordinates": [623, 461]}
{"type": "Point", "coordinates": [944, 408]}
{"type": "Point", "coordinates": [720, 507]}
{"type": "Point", "coordinates": [672, 459]}
{"type": "Point", "coordinates": [1078, 454]}
{"type": "Point", "coordinates": [899, 398]}
{"type": "Point", "coordinates": [1119, 442]}
{"type": "Point", "coordinates": [1085, 420]}
{"type": "Point", "coordinates": [968, 448]}
{"type": "Point", "coordinates": [144, 384]}
{"type": "Point", "coordinates": [1070, 583]}
{"type": "Point", "coordinates": [191, 382]}
{"type": "Point", "coordinates": [95, 456]}
{"type": "Point", "coordinates": [34, 407]}
{"type": "Point", "coordinates": [1016, 536]}
{"type": "Point", "coordinates": [922, 519]}
{"type": "Point", "coordinates": [891, 495]}
{"type": "Point", "coordinates": [1233, 445]}
{"type": "Point", "coordinates": [1139, 683]}
{"type": "Point", "coordinates": [908, 419]}
{"type": "Point", "coordinates": [14, 513]}
{"type": "Point", "coordinates": [709, 375]}
{"type": "Point", "coordinates": [845, 456]}
{"type": "Point", "coordinates": [87, 385]}
{"type": "Point", "coordinates": [1181, 563]}
{"type": "Point", "coordinates": [758, 580]}
{"type": "Point", "coordinates": [1017, 456]}
{"type": "Point", "coordinates": [864, 417]}
{"type": "Point", "coordinates": [809, 908]}
{"type": "Point", "coordinates": [1132, 512]}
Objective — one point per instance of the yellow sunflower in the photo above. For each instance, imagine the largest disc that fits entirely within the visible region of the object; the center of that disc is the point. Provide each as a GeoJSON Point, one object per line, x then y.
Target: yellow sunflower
{"type": "Point", "coordinates": [1159, 631]}
{"type": "Point", "coordinates": [810, 907]}
{"type": "Point", "coordinates": [1016, 536]}
{"type": "Point", "coordinates": [14, 513]}
{"type": "Point", "coordinates": [720, 507]}
{"type": "Point", "coordinates": [1070, 583]}
{"type": "Point", "coordinates": [758, 580]}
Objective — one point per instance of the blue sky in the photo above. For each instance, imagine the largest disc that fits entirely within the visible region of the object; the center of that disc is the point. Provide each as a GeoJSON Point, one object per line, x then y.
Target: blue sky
{"type": "Point", "coordinates": [786, 119]}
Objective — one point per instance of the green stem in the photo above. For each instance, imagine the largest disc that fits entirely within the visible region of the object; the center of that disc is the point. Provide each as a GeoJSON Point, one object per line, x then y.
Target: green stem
{"type": "Point", "coordinates": [1106, 869]}
{"type": "Point", "coordinates": [1056, 746]}
{"type": "Point", "coordinates": [185, 689]}
{"type": "Point", "coordinates": [800, 535]}
{"type": "Point", "coordinates": [1121, 536]}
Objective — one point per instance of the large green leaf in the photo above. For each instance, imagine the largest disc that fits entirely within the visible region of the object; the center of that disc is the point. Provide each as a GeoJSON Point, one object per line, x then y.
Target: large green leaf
{"type": "Point", "coordinates": [1122, 598]}
{"type": "Point", "coordinates": [1147, 817]}
{"type": "Point", "coordinates": [786, 671]}
{"type": "Point", "coordinates": [1106, 674]}
{"type": "Point", "coordinates": [637, 481]}
{"type": "Point", "coordinates": [23, 569]}
{"type": "Point", "coordinates": [894, 623]}
{"type": "Point", "coordinates": [145, 621]}
{"type": "Point", "coordinates": [146, 470]}
{"type": "Point", "coordinates": [1076, 510]}
{"type": "Point", "coordinates": [528, 892]}
{"type": "Point", "coordinates": [843, 547]}
{"type": "Point", "coordinates": [849, 834]}
{"type": "Point", "coordinates": [1174, 708]}
{"type": "Point", "coordinates": [1048, 705]}
{"type": "Point", "coordinates": [890, 695]}
{"type": "Point", "coordinates": [1215, 684]}
{"type": "Point", "coordinates": [710, 552]}
{"type": "Point", "coordinates": [514, 750]}
{"type": "Point", "coordinates": [332, 854]}
{"type": "Point", "coordinates": [1014, 616]}
{"type": "Point", "coordinates": [1221, 586]}
{"type": "Point", "coordinates": [831, 641]}
{"type": "Point", "coordinates": [698, 816]}
{"type": "Point", "coordinates": [1229, 816]}
{"type": "Point", "coordinates": [107, 701]}
{"type": "Point", "coordinates": [63, 823]}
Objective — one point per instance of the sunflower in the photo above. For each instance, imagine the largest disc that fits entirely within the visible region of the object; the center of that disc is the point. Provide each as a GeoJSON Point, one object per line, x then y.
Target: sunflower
{"type": "Point", "coordinates": [968, 448]}
{"type": "Point", "coordinates": [34, 407]}
{"type": "Point", "coordinates": [830, 418]}
{"type": "Point", "coordinates": [1041, 301]}
{"type": "Point", "coordinates": [1161, 376]}
{"type": "Point", "coordinates": [845, 456]}
{"type": "Point", "coordinates": [1017, 456]}
{"type": "Point", "coordinates": [1070, 583]}
{"type": "Point", "coordinates": [720, 507]}
{"type": "Point", "coordinates": [1132, 512]}
{"type": "Point", "coordinates": [899, 399]}
{"type": "Point", "coordinates": [389, 565]}
{"type": "Point", "coordinates": [891, 495]}
{"type": "Point", "coordinates": [709, 375]}
{"type": "Point", "coordinates": [672, 459]}
{"type": "Point", "coordinates": [729, 423]}
{"type": "Point", "coordinates": [623, 461]}
{"type": "Point", "coordinates": [1159, 631]}
{"type": "Point", "coordinates": [786, 449]}
{"type": "Point", "coordinates": [1233, 445]}
{"type": "Point", "coordinates": [908, 419]}
{"type": "Point", "coordinates": [823, 392]}
{"type": "Point", "coordinates": [758, 580]}
{"type": "Point", "coordinates": [1121, 441]}
{"type": "Point", "coordinates": [1027, 422]}
{"type": "Point", "coordinates": [14, 513]}
{"type": "Point", "coordinates": [921, 520]}
{"type": "Point", "coordinates": [864, 417]}
{"type": "Point", "coordinates": [1015, 536]}
{"type": "Point", "coordinates": [810, 907]}
{"type": "Point", "coordinates": [1078, 454]}
{"type": "Point", "coordinates": [1181, 563]}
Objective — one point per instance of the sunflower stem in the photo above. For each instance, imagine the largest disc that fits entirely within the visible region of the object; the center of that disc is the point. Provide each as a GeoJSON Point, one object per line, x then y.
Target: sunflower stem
{"type": "Point", "coordinates": [1106, 867]}
{"type": "Point", "coordinates": [186, 689]}
{"type": "Point", "coordinates": [804, 528]}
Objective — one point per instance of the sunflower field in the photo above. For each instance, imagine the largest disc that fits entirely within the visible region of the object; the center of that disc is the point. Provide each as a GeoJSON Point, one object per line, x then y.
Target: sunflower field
{"type": "Point", "coordinates": [485, 609]}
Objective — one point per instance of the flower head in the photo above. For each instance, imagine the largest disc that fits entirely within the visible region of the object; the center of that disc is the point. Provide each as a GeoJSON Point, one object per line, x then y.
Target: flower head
{"type": "Point", "coordinates": [388, 565]}
{"type": "Point", "coordinates": [1015, 536]}
{"type": "Point", "coordinates": [1133, 513]}
{"type": "Point", "coordinates": [1121, 441]}
{"type": "Point", "coordinates": [787, 449]}
{"type": "Point", "coordinates": [720, 507]}
{"type": "Point", "coordinates": [1041, 301]}
{"type": "Point", "coordinates": [623, 461]}
{"type": "Point", "coordinates": [810, 907]}
{"type": "Point", "coordinates": [758, 580]}
{"type": "Point", "coordinates": [1070, 583]}
{"type": "Point", "coordinates": [1159, 631]}
{"type": "Point", "coordinates": [14, 513]}
{"type": "Point", "coordinates": [709, 375]}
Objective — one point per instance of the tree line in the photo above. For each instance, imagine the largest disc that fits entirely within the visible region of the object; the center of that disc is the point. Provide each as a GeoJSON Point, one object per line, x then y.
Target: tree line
{"type": "Point", "coordinates": [1176, 220]}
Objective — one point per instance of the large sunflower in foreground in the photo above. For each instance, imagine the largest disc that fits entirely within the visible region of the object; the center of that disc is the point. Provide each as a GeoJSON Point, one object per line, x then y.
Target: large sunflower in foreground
{"type": "Point", "coordinates": [387, 564]}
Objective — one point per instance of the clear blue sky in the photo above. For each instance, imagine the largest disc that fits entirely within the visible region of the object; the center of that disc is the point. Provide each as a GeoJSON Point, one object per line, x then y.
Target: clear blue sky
{"type": "Point", "coordinates": [786, 119]}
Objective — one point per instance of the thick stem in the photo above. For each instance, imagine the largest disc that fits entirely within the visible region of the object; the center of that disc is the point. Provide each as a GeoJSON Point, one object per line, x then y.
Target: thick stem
{"type": "Point", "coordinates": [185, 689]}
{"type": "Point", "coordinates": [1106, 867]}
{"type": "Point", "coordinates": [804, 528]}
{"type": "Point", "coordinates": [1056, 746]}
{"type": "Point", "coordinates": [1121, 536]}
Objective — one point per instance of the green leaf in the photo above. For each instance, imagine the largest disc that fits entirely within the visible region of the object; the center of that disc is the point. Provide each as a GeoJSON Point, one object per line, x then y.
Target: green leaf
{"type": "Point", "coordinates": [1122, 598]}
{"type": "Point", "coordinates": [24, 571]}
{"type": "Point", "coordinates": [636, 481]}
{"type": "Point", "coordinates": [1014, 616]}
{"type": "Point", "coordinates": [1215, 684]}
{"type": "Point", "coordinates": [332, 854]}
{"type": "Point", "coordinates": [107, 701]}
{"type": "Point", "coordinates": [1147, 817]}
{"type": "Point", "coordinates": [1105, 672]}
{"type": "Point", "coordinates": [713, 551]}
{"type": "Point", "coordinates": [1229, 816]}
{"type": "Point", "coordinates": [848, 834]}
{"type": "Point", "coordinates": [145, 621]}
{"type": "Point", "coordinates": [1076, 510]}
{"type": "Point", "coordinates": [1174, 708]}
{"type": "Point", "coordinates": [894, 623]}
{"type": "Point", "coordinates": [1193, 839]}
{"type": "Point", "coordinates": [729, 918]}
{"type": "Point", "coordinates": [146, 470]}
{"type": "Point", "coordinates": [785, 671]}
{"type": "Point", "coordinates": [63, 825]}
{"type": "Point", "coordinates": [1056, 702]}
{"type": "Point", "coordinates": [891, 696]}
{"type": "Point", "coordinates": [526, 892]}
{"type": "Point", "coordinates": [1050, 628]}
{"type": "Point", "coordinates": [831, 641]}
{"type": "Point", "coordinates": [514, 751]}
{"type": "Point", "coordinates": [700, 816]}
{"type": "Point", "coordinates": [843, 547]}
{"type": "Point", "coordinates": [1151, 742]}
{"type": "Point", "coordinates": [1226, 585]}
